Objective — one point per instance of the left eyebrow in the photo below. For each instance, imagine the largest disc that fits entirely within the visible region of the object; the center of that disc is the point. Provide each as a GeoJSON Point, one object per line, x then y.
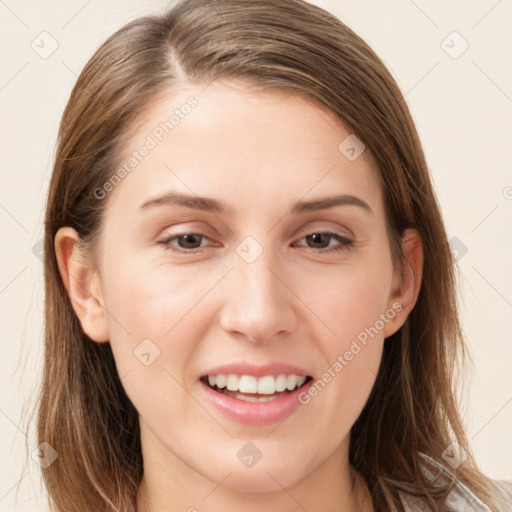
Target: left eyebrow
{"type": "Point", "coordinates": [215, 206]}
{"type": "Point", "coordinates": [324, 203]}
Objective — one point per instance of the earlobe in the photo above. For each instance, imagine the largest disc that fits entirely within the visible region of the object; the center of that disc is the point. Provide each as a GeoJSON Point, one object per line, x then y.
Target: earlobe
{"type": "Point", "coordinates": [82, 283]}
{"type": "Point", "coordinates": [405, 292]}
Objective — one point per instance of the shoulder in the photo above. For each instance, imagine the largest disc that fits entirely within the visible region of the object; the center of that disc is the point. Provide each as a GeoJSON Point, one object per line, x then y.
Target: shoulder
{"type": "Point", "coordinates": [460, 499]}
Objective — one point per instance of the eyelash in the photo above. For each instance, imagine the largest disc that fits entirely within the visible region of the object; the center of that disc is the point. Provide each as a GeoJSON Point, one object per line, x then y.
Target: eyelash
{"type": "Point", "coordinates": [346, 243]}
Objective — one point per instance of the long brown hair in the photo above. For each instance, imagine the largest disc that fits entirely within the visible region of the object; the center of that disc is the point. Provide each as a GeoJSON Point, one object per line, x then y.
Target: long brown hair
{"type": "Point", "coordinates": [84, 413]}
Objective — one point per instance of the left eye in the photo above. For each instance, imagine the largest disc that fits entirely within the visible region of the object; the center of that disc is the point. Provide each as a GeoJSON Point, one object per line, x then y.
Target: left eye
{"type": "Point", "coordinates": [188, 242]}
{"type": "Point", "coordinates": [317, 237]}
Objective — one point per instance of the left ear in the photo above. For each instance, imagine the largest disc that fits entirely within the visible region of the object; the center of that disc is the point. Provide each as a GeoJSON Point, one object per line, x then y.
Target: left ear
{"type": "Point", "coordinates": [405, 292]}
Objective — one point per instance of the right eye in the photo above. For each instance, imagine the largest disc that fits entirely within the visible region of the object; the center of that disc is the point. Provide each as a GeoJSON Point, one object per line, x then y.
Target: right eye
{"type": "Point", "coordinates": [185, 240]}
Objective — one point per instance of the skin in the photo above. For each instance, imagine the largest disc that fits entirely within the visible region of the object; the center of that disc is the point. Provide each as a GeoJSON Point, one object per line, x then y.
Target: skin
{"type": "Point", "coordinates": [259, 152]}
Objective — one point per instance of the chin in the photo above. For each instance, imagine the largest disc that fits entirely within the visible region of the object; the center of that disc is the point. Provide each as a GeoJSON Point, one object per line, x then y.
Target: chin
{"type": "Point", "coordinates": [268, 476]}
{"type": "Point", "coordinates": [259, 482]}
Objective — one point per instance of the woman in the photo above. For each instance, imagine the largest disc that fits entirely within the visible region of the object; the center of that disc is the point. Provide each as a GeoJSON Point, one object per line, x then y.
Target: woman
{"type": "Point", "coordinates": [250, 298]}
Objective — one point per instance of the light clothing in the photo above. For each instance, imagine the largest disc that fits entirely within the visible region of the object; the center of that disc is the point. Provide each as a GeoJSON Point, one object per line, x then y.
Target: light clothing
{"type": "Point", "coordinates": [460, 499]}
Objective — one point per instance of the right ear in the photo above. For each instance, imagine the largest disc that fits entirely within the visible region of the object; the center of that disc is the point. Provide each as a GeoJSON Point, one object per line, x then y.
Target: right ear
{"type": "Point", "coordinates": [82, 283]}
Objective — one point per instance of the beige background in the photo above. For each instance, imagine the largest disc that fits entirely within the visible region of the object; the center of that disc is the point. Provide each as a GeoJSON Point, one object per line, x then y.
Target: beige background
{"type": "Point", "coordinates": [463, 110]}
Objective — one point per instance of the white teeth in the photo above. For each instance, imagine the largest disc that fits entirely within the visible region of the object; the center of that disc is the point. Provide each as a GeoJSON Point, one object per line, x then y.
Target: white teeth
{"type": "Point", "coordinates": [249, 384]}
{"type": "Point", "coordinates": [291, 382]}
{"type": "Point", "coordinates": [220, 380]}
{"type": "Point", "coordinates": [267, 385]}
{"type": "Point", "coordinates": [250, 398]}
{"type": "Point", "coordinates": [281, 382]}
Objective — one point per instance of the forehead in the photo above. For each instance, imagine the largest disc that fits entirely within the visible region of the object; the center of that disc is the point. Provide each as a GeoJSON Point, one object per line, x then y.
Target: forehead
{"type": "Point", "coordinates": [239, 143]}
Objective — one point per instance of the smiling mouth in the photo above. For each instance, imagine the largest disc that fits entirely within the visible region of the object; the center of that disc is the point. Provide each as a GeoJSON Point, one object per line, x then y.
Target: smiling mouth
{"type": "Point", "coordinates": [265, 396]}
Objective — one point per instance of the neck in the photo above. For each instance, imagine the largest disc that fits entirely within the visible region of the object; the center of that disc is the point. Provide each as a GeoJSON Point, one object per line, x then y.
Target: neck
{"type": "Point", "coordinates": [169, 485]}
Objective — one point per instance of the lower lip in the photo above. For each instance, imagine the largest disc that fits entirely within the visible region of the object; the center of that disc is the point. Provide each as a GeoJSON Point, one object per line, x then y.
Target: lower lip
{"type": "Point", "coordinates": [255, 413]}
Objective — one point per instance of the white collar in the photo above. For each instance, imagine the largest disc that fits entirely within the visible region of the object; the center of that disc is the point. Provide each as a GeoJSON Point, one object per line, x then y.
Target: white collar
{"type": "Point", "coordinates": [460, 499]}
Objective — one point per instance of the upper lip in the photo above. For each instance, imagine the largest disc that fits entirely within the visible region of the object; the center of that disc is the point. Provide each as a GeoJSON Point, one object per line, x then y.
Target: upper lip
{"type": "Point", "coordinates": [244, 368]}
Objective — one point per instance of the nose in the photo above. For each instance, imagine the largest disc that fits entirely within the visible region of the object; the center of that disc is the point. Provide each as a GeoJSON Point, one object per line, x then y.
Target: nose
{"type": "Point", "coordinates": [259, 305]}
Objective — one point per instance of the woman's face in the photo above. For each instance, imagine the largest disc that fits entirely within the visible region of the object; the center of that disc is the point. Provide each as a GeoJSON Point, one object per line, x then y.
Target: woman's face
{"type": "Point", "coordinates": [261, 286]}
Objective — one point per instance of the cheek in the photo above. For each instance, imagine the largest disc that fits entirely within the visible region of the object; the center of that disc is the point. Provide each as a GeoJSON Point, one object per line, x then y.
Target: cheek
{"type": "Point", "coordinates": [352, 309]}
{"type": "Point", "coordinates": [350, 300]}
{"type": "Point", "coordinates": [157, 319]}
{"type": "Point", "coordinates": [154, 333]}
{"type": "Point", "coordinates": [149, 317]}
{"type": "Point", "coordinates": [351, 360]}
{"type": "Point", "coordinates": [154, 302]}
{"type": "Point", "coordinates": [352, 347]}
